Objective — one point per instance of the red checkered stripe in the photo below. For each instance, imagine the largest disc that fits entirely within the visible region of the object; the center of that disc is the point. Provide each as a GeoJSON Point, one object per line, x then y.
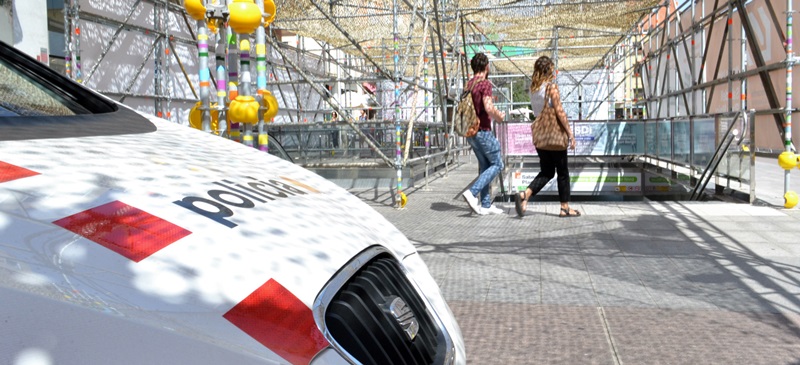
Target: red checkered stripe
{"type": "Point", "coordinates": [271, 314]}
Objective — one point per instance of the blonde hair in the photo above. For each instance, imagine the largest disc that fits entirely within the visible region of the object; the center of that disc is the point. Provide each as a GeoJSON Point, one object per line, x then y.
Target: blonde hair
{"type": "Point", "coordinates": [542, 72]}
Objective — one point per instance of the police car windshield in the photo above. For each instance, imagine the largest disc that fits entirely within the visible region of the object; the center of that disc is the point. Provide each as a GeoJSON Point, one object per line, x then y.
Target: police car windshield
{"type": "Point", "coordinates": [21, 95]}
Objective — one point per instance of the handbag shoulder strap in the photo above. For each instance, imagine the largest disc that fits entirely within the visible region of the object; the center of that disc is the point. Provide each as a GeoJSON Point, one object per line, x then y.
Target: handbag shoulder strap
{"type": "Point", "coordinates": [548, 101]}
{"type": "Point", "coordinates": [545, 100]}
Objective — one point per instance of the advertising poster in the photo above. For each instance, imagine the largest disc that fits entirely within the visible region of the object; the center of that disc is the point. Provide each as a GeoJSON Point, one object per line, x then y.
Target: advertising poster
{"type": "Point", "coordinates": [615, 180]}
{"type": "Point", "coordinates": [517, 139]}
{"type": "Point", "coordinates": [587, 181]}
{"type": "Point", "coordinates": [608, 139]}
{"type": "Point", "coordinates": [656, 183]}
{"type": "Point", "coordinates": [592, 138]}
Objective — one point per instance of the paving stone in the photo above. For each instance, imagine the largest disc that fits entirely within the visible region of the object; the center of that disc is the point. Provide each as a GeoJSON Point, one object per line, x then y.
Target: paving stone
{"type": "Point", "coordinates": [626, 283]}
{"type": "Point", "coordinates": [667, 336]}
{"type": "Point", "coordinates": [515, 291]}
{"type": "Point", "coordinates": [529, 334]}
{"type": "Point", "coordinates": [568, 293]}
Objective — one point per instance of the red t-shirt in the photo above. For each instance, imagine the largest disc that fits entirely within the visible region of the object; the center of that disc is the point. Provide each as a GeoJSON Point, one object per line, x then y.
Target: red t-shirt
{"type": "Point", "coordinates": [479, 91]}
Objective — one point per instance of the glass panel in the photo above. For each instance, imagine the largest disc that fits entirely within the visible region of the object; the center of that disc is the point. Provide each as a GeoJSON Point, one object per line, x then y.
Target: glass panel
{"type": "Point", "coordinates": [325, 141]}
{"type": "Point", "coordinates": [625, 138]}
{"type": "Point", "coordinates": [680, 146]}
{"type": "Point", "coordinates": [734, 163]}
{"type": "Point", "coordinates": [704, 142]}
{"type": "Point", "coordinates": [664, 140]}
{"type": "Point", "coordinates": [609, 138]}
{"type": "Point", "coordinates": [650, 137]}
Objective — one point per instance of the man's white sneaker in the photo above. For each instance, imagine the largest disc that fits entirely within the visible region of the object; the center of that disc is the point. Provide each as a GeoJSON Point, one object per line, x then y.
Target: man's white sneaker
{"type": "Point", "coordinates": [492, 210]}
{"type": "Point", "coordinates": [471, 201]}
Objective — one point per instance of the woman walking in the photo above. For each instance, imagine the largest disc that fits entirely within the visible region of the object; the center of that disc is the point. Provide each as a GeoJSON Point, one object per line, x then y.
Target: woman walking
{"type": "Point", "coordinates": [552, 136]}
{"type": "Point", "coordinates": [484, 144]}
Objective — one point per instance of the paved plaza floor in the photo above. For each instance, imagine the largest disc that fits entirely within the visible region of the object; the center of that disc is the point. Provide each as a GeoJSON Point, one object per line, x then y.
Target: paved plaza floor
{"type": "Point", "coordinates": [626, 283]}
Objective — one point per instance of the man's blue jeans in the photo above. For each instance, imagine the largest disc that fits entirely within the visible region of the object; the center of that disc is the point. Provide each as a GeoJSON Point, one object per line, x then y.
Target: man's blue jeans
{"type": "Point", "coordinates": [490, 162]}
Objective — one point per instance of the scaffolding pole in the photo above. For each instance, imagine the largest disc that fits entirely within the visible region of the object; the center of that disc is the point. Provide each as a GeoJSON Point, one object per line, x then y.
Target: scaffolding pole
{"type": "Point", "coordinates": [330, 102]}
{"type": "Point", "coordinates": [398, 160]}
{"type": "Point", "coordinates": [789, 66]}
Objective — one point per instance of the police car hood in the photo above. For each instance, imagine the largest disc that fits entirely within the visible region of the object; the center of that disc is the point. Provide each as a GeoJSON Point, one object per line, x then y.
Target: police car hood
{"type": "Point", "coordinates": [175, 228]}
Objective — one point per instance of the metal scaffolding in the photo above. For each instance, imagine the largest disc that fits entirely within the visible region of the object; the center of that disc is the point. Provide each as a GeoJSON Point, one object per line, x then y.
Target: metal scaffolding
{"type": "Point", "coordinates": [648, 60]}
{"type": "Point", "coordinates": [358, 38]}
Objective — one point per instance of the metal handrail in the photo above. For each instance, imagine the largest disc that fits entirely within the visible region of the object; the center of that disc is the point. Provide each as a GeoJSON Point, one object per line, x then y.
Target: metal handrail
{"type": "Point", "coordinates": [716, 158]}
{"type": "Point", "coordinates": [310, 139]}
{"type": "Point", "coordinates": [432, 155]}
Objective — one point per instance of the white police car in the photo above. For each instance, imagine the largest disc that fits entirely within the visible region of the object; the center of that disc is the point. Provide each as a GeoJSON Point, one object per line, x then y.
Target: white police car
{"type": "Point", "coordinates": [127, 239]}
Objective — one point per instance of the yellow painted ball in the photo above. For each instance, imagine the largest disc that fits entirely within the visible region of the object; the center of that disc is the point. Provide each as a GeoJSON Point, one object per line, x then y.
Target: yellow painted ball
{"type": "Point", "coordinates": [196, 117]}
{"type": "Point", "coordinates": [195, 9]}
{"type": "Point", "coordinates": [787, 160]}
{"type": "Point", "coordinates": [212, 26]}
{"type": "Point", "coordinates": [270, 106]}
{"type": "Point", "coordinates": [791, 200]}
{"type": "Point", "coordinates": [245, 16]}
{"type": "Point", "coordinates": [269, 7]}
{"type": "Point", "coordinates": [244, 109]}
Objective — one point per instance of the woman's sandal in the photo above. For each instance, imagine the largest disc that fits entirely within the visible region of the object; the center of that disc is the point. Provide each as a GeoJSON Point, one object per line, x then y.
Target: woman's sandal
{"type": "Point", "coordinates": [519, 203]}
{"type": "Point", "coordinates": [568, 214]}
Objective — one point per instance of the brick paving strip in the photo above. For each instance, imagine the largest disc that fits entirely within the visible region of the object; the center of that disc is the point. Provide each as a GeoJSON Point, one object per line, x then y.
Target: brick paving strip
{"type": "Point", "coordinates": [627, 283]}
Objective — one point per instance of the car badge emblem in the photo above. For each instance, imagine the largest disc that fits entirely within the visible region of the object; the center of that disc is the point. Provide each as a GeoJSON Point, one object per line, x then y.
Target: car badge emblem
{"type": "Point", "coordinates": [405, 317]}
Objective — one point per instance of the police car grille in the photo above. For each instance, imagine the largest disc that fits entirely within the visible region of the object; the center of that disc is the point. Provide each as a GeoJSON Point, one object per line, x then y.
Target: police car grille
{"type": "Point", "coordinates": [357, 319]}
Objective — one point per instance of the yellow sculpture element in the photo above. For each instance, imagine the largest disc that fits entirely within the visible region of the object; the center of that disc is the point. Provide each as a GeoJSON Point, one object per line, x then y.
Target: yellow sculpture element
{"type": "Point", "coordinates": [791, 199]}
{"type": "Point", "coordinates": [245, 16]}
{"type": "Point", "coordinates": [269, 8]}
{"type": "Point", "coordinates": [196, 117]}
{"type": "Point", "coordinates": [244, 109]}
{"type": "Point", "coordinates": [787, 160]}
{"type": "Point", "coordinates": [403, 200]}
{"type": "Point", "coordinates": [270, 106]}
{"type": "Point", "coordinates": [195, 9]}
{"type": "Point", "coordinates": [212, 26]}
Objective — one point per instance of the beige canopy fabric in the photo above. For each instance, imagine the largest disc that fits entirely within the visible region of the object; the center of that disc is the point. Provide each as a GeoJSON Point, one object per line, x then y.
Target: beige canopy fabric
{"type": "Point", "coordinates": [582, 31]}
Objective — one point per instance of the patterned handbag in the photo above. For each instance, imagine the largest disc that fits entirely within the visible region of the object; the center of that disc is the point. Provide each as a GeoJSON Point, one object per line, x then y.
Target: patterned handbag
{"type": "Point", "coordinates": [547, 132]}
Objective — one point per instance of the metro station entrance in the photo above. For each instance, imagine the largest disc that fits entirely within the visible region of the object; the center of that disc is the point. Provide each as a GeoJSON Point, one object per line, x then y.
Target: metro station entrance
{"type": "Point", "coordinates": [641, 159]}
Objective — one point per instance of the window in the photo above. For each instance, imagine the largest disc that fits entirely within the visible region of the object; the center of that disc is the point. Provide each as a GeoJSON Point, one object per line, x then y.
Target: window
{"type": "Point", "coordinates": [21, 95]}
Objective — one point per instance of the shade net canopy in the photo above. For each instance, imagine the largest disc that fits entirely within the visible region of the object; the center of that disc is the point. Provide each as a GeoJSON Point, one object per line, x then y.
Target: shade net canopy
{"type": "Point", "coordinates": [513, 33]}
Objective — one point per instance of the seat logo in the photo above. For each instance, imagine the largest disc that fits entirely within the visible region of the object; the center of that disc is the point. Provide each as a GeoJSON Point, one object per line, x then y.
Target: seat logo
{"type": "Point", "coordinates": [405, 317]}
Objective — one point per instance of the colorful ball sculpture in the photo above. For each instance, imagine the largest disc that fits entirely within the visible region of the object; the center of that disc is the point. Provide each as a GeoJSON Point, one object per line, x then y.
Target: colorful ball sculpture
{"type": "Point", "coordinates": [269, 8]}
{"type": "Point", "coordinates": [212, 26]}
{"type": "Point", "coordinates": [787, 160]}
{"type": "Point", "coordinates": [244, 109]}
{"type": "Point", "coordinates": [196, 117]}
{"type": "Point", "coordinates": [790, 199]}
{"type": "Point", "coordinates": [245, 16]}
{"type": "Point", "coordinates": [195, 9]}
{"type": "Point", "coordinates": [270, 106]}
